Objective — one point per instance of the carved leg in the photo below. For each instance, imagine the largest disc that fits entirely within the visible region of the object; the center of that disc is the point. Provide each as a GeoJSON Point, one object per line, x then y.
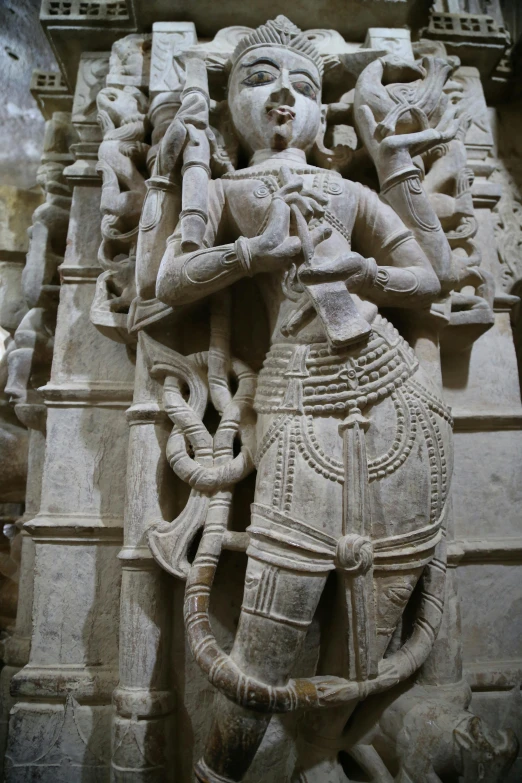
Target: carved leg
{"type": "Point", "coordinates": [278, 606]}
{"type": "Point", "coordinates": [321, 731]}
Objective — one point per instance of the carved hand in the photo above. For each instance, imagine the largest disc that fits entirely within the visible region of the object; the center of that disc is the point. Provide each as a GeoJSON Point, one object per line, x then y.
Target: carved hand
{"type": "Point", "coordinates": [275, 246]}
{"type": "Point", "coordinates": [353, 268]}
{"type": "Point", "coordinates": [394, 153]}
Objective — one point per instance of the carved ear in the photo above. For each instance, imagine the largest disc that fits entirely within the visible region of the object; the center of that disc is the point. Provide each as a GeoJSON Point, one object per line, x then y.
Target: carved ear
{"type": "Point", "coordinates": [475, 727]}
{"type": "Point", "coordinates": [512, 744]}
{"type": "Point", "coordinates": [324, 112]}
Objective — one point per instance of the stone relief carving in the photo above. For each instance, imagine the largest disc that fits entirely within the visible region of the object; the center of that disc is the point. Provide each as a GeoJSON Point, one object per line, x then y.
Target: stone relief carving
{"type": "Point", "coordinates": [26, 364]}
{"type": "Point", "coordinates": [343, 413]}
{"type": "Point", "coordinates": [122, 113]}
{"type": "Point", "coordinates": [169, 41]}
{"type": "Point", "coordinates": [29, 358]}
{"type": "Point", "coordinates": [448, 181]}
{"type": "Point", "coordinates": [95, 67]}
{"type": "Point", "coordinates": [456, 743]}
{"type": "Point", "coordinates": [509, 221]}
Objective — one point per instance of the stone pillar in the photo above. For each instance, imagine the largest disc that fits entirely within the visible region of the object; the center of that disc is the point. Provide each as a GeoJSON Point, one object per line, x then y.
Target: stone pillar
{"type": "Point", "coordinates": [18, 645]}
{"type": "Point", "coordinates": [477, 38]}
{"type": "Point", "coordinates": [144, 701]}
{"type": "Point", "coordinates": [16, 208]}
{"type": "Point", "coordinates": [482, 386]}
{"type": "Point", "coordinates": [59, 727]}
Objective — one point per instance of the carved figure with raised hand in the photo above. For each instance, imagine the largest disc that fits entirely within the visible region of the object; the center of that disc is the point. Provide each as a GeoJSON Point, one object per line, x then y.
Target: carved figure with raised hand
{"type": "Point", "coordinates": [122, 155]}
{"type": "Point", "coordinates": [346, 418]}
{"type": "Point", "coordinates": [30, 357]}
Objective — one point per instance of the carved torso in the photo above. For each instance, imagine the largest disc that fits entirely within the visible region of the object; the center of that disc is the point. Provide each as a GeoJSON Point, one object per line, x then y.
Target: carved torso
{"type": "Point", "coordinates": [238, 207]}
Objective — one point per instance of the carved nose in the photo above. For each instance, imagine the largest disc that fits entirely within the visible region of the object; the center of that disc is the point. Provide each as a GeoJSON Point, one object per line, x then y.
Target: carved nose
{"type": "Point", "coordinates": [282, 92]}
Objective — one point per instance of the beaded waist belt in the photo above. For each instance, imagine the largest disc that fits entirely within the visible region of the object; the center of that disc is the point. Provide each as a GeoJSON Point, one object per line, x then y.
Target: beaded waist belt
{"type": "Point", "coordinates": [314, 380]}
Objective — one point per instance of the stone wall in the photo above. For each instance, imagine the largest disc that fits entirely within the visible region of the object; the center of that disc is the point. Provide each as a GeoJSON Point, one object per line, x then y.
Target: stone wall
{"type": "Point", "coordinates": [127, 411]}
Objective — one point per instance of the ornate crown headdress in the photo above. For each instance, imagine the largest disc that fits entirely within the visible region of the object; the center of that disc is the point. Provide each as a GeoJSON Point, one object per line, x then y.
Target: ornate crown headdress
{"type": "Point", "coordinates": [279, 32]}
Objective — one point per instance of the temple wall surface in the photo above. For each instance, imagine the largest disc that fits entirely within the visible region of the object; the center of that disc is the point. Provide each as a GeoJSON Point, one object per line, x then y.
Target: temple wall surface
{"type": "Point", "coordinates": [99, 680]}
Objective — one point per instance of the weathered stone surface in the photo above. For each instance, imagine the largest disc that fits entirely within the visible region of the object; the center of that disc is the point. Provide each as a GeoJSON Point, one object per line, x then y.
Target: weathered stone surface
{"type": "Point", "coordinates": [272, 526]}
{"type": "Point", "coordinates": [23, 47]}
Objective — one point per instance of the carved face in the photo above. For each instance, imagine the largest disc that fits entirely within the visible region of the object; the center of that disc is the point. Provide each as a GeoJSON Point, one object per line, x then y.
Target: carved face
{"type": "Point", "coordinates": [120, 105]}
{"type": "Point", "coordinates": [275, 99]}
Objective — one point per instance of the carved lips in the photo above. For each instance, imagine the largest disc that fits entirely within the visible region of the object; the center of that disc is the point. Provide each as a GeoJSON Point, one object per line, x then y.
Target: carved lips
{"type": "Point", "coordinates": [281, 114]}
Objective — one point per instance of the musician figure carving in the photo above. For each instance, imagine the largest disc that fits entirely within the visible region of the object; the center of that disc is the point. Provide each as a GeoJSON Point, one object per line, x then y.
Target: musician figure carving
{"type": "Point", "coordinates": [347, 431]}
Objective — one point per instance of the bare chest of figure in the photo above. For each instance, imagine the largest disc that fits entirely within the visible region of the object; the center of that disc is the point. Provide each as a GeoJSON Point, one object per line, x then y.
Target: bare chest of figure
{"type": "Point", "coordinates": [248, 194]}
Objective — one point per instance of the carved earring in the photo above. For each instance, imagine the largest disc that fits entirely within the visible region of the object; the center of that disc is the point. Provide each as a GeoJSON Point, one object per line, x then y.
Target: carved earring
{"type": "Point", "coordinates": [320, 153]}
{"type": "Point", "coordinates": [335, 159]}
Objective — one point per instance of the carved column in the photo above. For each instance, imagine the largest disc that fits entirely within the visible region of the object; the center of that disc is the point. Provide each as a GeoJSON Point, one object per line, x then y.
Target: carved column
{"type": "Point", "coordinates": [481, 384]}
{"type": "Point", "coordinates": [477, 36]}
{"type": "Point", "coordinates": [16, 208]}
{"type": "Point", "coordinates": [144, 699]}
{"type": "Point", "coordinates": [59, 728]}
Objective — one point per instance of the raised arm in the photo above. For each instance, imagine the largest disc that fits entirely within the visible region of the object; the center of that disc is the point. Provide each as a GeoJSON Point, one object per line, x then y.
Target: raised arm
{"type": "Point", "coordinates": [381, 126]}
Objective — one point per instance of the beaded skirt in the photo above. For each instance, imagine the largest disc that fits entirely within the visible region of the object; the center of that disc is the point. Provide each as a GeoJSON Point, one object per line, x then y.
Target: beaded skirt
{"type": "Point", "coordinates": [312, 379]}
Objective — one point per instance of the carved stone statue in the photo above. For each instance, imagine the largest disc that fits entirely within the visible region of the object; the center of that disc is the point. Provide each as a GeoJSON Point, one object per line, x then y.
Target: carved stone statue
{"type": "Point", "coordinates": [350, 438]}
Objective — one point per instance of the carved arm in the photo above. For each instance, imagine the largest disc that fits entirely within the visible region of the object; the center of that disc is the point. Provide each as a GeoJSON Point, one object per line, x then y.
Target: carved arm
{"type": "Point", "coordinates": [185, 278]}
{"type": "Point", "coordinates": [407, 280]}
{"type": "Point", "coordinates": [393, 155]}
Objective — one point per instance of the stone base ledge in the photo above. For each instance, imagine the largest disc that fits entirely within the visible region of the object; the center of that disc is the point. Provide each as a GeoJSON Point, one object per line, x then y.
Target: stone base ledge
{"type": "Point", "coordinates": [480, 550]}
{"type": "Point", "coordinates": [105, 394]}
{"type": "Point", "coordinates": [74, 528]}
{"type": "Point", "coordinates": [59, 681]}
{"type": "Point", "coordinates": [486, 421]}
{"type": "Point", "coordinates": [493, 675]}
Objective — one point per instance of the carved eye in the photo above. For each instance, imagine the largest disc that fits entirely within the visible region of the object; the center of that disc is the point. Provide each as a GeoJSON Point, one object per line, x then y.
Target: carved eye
{"type": "Point", "coordinates": [305, 89]}
{"type": "Point", "coordinates": [259, 77]}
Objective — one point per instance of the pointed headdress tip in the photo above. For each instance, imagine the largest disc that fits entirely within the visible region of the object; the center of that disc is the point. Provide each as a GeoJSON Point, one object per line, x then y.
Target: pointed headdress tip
{"type": "Point", "coordinates": [279, 32]}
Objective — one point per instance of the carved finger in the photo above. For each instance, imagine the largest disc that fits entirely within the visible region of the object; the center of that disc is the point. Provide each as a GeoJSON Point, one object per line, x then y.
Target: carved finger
{"type": "Point", "coordinates": [291, 182]}
{"type": "Point", "coordinates": [450, 132]}
{"type": "Point", "coordinates": [278, 219]}
{"type": "Point", "coordinates": [340, 268]}
{"type": "Point", "coordinates": [412, 141]}
{"type": "Point", "coordinates": [303, 205]}
{"type": "Point", "coordinates": [319, 234]}
{"type": "Point", "coordinates": [307, 206]}
{"type": "Point", "coordinates": [290, 248]}
{"type": "Point", "coordinates": [316, 195]}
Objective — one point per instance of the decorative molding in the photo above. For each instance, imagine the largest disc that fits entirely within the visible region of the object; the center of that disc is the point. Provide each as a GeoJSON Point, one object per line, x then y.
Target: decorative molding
{"type": "Point", "coordinates": [56, 682]}
{"type": "Point", "coordinates": [111, 394]}
{"type": "Point", "coordinates": [486, 421]}
{"type": "Point", "coordinates": [493, 675]}
{"type": "Point", "coordinates": [480, 550]}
